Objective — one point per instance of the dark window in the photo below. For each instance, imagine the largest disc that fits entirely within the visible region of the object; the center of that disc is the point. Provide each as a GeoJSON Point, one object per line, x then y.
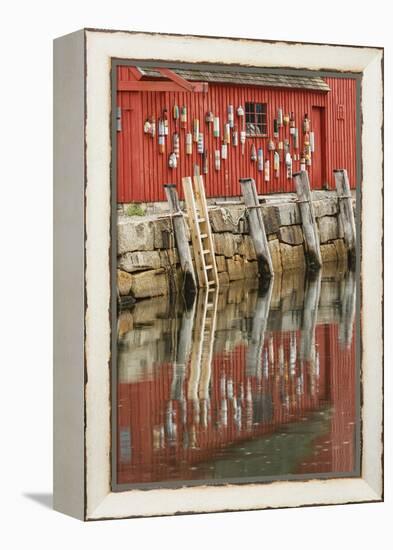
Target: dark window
{"type": "Point", "coordinates": [256, 119]}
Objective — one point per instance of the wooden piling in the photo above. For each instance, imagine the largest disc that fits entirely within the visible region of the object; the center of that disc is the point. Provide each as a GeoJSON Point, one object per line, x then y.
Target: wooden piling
{"type": "Point", "coordinates": [310, 231]}
{"type": "Point", "coordinates": [346, 214]}
{"type": "Point", "coordinates": [257, 228]}
{"type": "Point", "coordinates": [310, 316]}
{"type": "Point", "coordinates": [179, 226]}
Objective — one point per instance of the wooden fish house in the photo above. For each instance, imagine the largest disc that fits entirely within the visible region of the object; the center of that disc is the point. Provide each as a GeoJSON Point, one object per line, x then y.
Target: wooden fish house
{"type": "Point", "coordinates": [232, 124]}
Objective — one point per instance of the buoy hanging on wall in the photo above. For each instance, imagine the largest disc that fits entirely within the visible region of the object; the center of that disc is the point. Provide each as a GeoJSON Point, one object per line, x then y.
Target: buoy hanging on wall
{"type": "Point", "coordinates": [286, 146]}
{"type": "Point", "coordinates": [306, 124]}
{"type": "Point", "coordinates": [227, 133]}
{"type": "Point", "coordinates": [267, 170]}
{"type": "Point", "coordinates": [240, 111]}
{"type": "Point", "coordinates": [216, 127]}
{"type": "Point", "coordinates": [196, 130]}
{"type": "Point", "coordinates": [183, 116]}
{"type": "Point", "coordinates": [230, 116]}
{"type": "Point", "coordinates": [253, 153]}
{"type": "Point", "coordinates": [172, 161]}
{"type": "Point", "coordinates": [260, 160]}
{"type": "Point", "coordinates": [166, 123]}
{"type": "Point", "coordinates": [161, 136]}
{"type": "Point", "coordinates": [224, 151]}
{"type": "Point", "coordinates": [292, 123]}
{"type": "Point", "coordinates": [279, 117]}
{"type": "Point", "coordinates": [161, 144]}
{"type": "Point", "coordinates": [243, 140]}
{"type": "Point", "coordinates": [276, 164]}
{"type": "Point", "coordinates": [288, 162]}
{"type": "Point", "coordinates": [235, 137]}
{"type": "Point", "coordinates": [270, 145]}
{"type": "Point", "coordinates": [176, 112]}
{"type": "Point", "coordinates": [302, 164]}
{"type": "Point", "coordinates": [312, 142]}
{"type": "Point", "coordinates": [205, 163]}
{"type": "Point", "coordinates": [153, 127]}
{"type": "Point", "coordinates": [296, 138]}
{"type": "Point", "coordinates": [176, 144]}
{"type": "Point", "coordinates": [217, 160]}
{"type": "Point", "coordinates": [275, 128]}
{"type": "Point", "coordinates": [200, 144]}
{"type": "Point", "coordinates": [147, 127]}
{"type": "Point", "coordinates": [209, 117]}
{"type": "Point", "coordinates": [189, 144]}
{"type": "Point", "coordinates": [286, 120]}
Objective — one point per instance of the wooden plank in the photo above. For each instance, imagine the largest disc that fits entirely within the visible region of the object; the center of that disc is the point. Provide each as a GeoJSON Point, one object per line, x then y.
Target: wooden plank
{"type": "Point", "coordinates": [310, 231]}
{"type": "Point", "coordinates": [346, 214]}
{"type": "Point", "coordinates": [190, 283]}
{"type": "Point", "coordinates": [257, 228]}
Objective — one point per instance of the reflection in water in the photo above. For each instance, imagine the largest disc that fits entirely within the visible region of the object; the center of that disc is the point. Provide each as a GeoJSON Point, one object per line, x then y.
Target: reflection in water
{"type": "Point", "coordinates": [241, 385]}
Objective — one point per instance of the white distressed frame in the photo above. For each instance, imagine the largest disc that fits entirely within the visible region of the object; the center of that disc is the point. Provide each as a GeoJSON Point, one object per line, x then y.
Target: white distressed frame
{"type": "Point", "coordinates": [101, 47]}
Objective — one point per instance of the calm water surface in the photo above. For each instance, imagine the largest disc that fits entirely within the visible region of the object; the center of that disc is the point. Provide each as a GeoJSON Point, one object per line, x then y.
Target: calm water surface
{"type": "Point", "coordinates": [243, 385]}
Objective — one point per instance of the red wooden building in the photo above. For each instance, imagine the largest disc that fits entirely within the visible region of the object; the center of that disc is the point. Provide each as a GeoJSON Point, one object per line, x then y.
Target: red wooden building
{"type": "Point", "coordinates": [170, 120]}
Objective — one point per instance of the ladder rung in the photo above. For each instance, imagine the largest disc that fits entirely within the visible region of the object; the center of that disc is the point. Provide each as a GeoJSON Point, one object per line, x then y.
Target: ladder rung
{"type": "Point", "coordinates": [200, 220]}
{"type": "Point", "coordinates": [206, 251]}
{"type": "Point", "coordinates": [203, 235]}
{"type": "Point", "coordinates": [209, 267]}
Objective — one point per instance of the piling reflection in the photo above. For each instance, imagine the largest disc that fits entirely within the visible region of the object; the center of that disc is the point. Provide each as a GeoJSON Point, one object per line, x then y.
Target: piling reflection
{"type": "Point", "coordinates": [241, 385]}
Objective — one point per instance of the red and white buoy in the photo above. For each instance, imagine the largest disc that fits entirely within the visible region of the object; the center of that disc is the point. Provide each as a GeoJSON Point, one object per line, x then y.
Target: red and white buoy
{"type": "Point", "coordinates": [267, 170]}
{"type": "Point", "coordinates": [217, 160]}
{"type": "Point", "coordinates": [260, 160]}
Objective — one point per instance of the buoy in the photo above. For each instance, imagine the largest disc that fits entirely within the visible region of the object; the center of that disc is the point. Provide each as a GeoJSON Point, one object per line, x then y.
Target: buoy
{"type": "Point", "coordinates": [166, 123]}
{"type": "Point", "coordinates": [280, 145]}
{"type": "Point", "coordinates": [235, 137]}
{"type": "Point", "coordinates": [240, 111]}
{"type": "Point", "coordinates": [227, 134]}
{"type": "Point", "coordinates": [306, 139]}
{"type": "Point", "coordinates": [205, 163]}
{"type": "Point", "coordinates": [224, 151]}
{"type": "Point", "coordinates": [267, 170]}
{"type": "Point", "coordinates": [243, 140]}
{"type": "Point", "coordinates": [276, 164]}
{"type": "Point", "coordinates": [302, 164]}
{"type": "Point", "coordinates": [217, 160]}
{"type": "Point", "coordinates": [286, 146]}
{"type": "Point", "coordinates": [176, 144]}
{"type": "Point", "coordinates": [172, 160]}
{"type": "Point", "coordinates": [153, 127]}
{"type": "Point", "coordinates": [183, 116]}
{"type": "Point", "coordinates": [279, 117]}
{"type": "Point", "coordinates": [147, 127]}
{"type": "Point", "coordinates": [200, 144]}
{"type": "Point", "coordinates": [296, 138]}
{"type": "Point", "coordinates": [161, 144]}
{"type": "Point", "coordinates": [253, 154]}
{"type": "Point", "coordinates": [292, 123]}
{"type": "Point", "coordinates": [286, 120]}
{"type": "Point", "coordinates": [216, 127]}
{"type": "Point", "coordinates": [230, 116]}
{"type": "Point", "coordinates": [270, 145]}
{"type": "Point", "coordinates": [209, 117]}
{"type": "Point", "coordinates": [260, 160]}
{"type": "Point", "coordinates": [196, 130]}
{"type": "Point", "coordinates": [306, 124]}
{"type": "Point", "coordinates": [288, 162]}
{"type": "Point", "coordinates": [189, 144]}
{"type": "Point", "coordinates": [312, 142]}
{"type": "Point", "coordinates": [175, 112]}
{"type": "Point", "coordinates": [275, 128]}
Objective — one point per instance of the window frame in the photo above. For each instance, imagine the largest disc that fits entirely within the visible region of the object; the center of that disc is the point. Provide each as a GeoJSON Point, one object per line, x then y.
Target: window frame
{"type": "Point", "coordinates": [263, 112]}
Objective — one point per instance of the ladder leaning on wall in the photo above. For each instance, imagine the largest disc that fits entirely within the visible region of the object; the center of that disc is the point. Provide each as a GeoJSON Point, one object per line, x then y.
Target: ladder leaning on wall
{"type": "Point", "coordinates": [201, 234]}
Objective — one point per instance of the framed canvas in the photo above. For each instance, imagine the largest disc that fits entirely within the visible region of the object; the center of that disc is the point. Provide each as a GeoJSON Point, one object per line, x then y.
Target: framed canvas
{"type": "Point", "coordinates": [218, 274]}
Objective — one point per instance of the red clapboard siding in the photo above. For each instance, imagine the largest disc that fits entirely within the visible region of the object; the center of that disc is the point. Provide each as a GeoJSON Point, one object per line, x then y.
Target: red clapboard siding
{"type": "Point", "coordinates": [142, 170]}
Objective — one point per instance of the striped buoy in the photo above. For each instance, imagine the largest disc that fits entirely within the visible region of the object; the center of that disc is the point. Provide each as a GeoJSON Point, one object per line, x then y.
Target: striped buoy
{"type": "Point", "coordinates": [183, 116]}
{"type": "Point", "coordinates": [230, 116]}
{"type": "Point", "coordinates": [166, 122]}
{"type": "Point", "coordinates": [235, 137]}
{"type": "Point", "coordinates": [279, 117]}
{"type": "Point", "coordinates": [312, 142]}
{"type": "Point", "coordinates": [227, 133]}
{"type": "Point", "coordinates": [176, 144]}
{"type": "Point", "coordinates": [176, 112]}
{"type": "Point", "coordinates": [276, 164]}
{"type": "Point", "coordinates": [200, 144]}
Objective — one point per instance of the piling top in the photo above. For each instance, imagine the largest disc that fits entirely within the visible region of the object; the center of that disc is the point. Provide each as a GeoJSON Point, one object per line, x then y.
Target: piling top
{"type": "Point", "coordinates": [169, 185]}
{"type": "Point", "coordinates": [244, 180]}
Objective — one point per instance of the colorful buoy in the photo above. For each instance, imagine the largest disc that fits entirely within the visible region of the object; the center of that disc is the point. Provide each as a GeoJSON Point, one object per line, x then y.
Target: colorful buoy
{"type": "Point", "coordinates": [216, 127]}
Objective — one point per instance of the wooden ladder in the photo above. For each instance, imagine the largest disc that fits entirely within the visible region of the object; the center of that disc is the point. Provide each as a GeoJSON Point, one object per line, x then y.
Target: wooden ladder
{"type": "Point", "coordinates": [201, 234]}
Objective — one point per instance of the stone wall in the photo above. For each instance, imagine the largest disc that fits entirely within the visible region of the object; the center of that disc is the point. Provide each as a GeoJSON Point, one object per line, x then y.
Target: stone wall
{"type": "Point", "coordinates": [148, 263]}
